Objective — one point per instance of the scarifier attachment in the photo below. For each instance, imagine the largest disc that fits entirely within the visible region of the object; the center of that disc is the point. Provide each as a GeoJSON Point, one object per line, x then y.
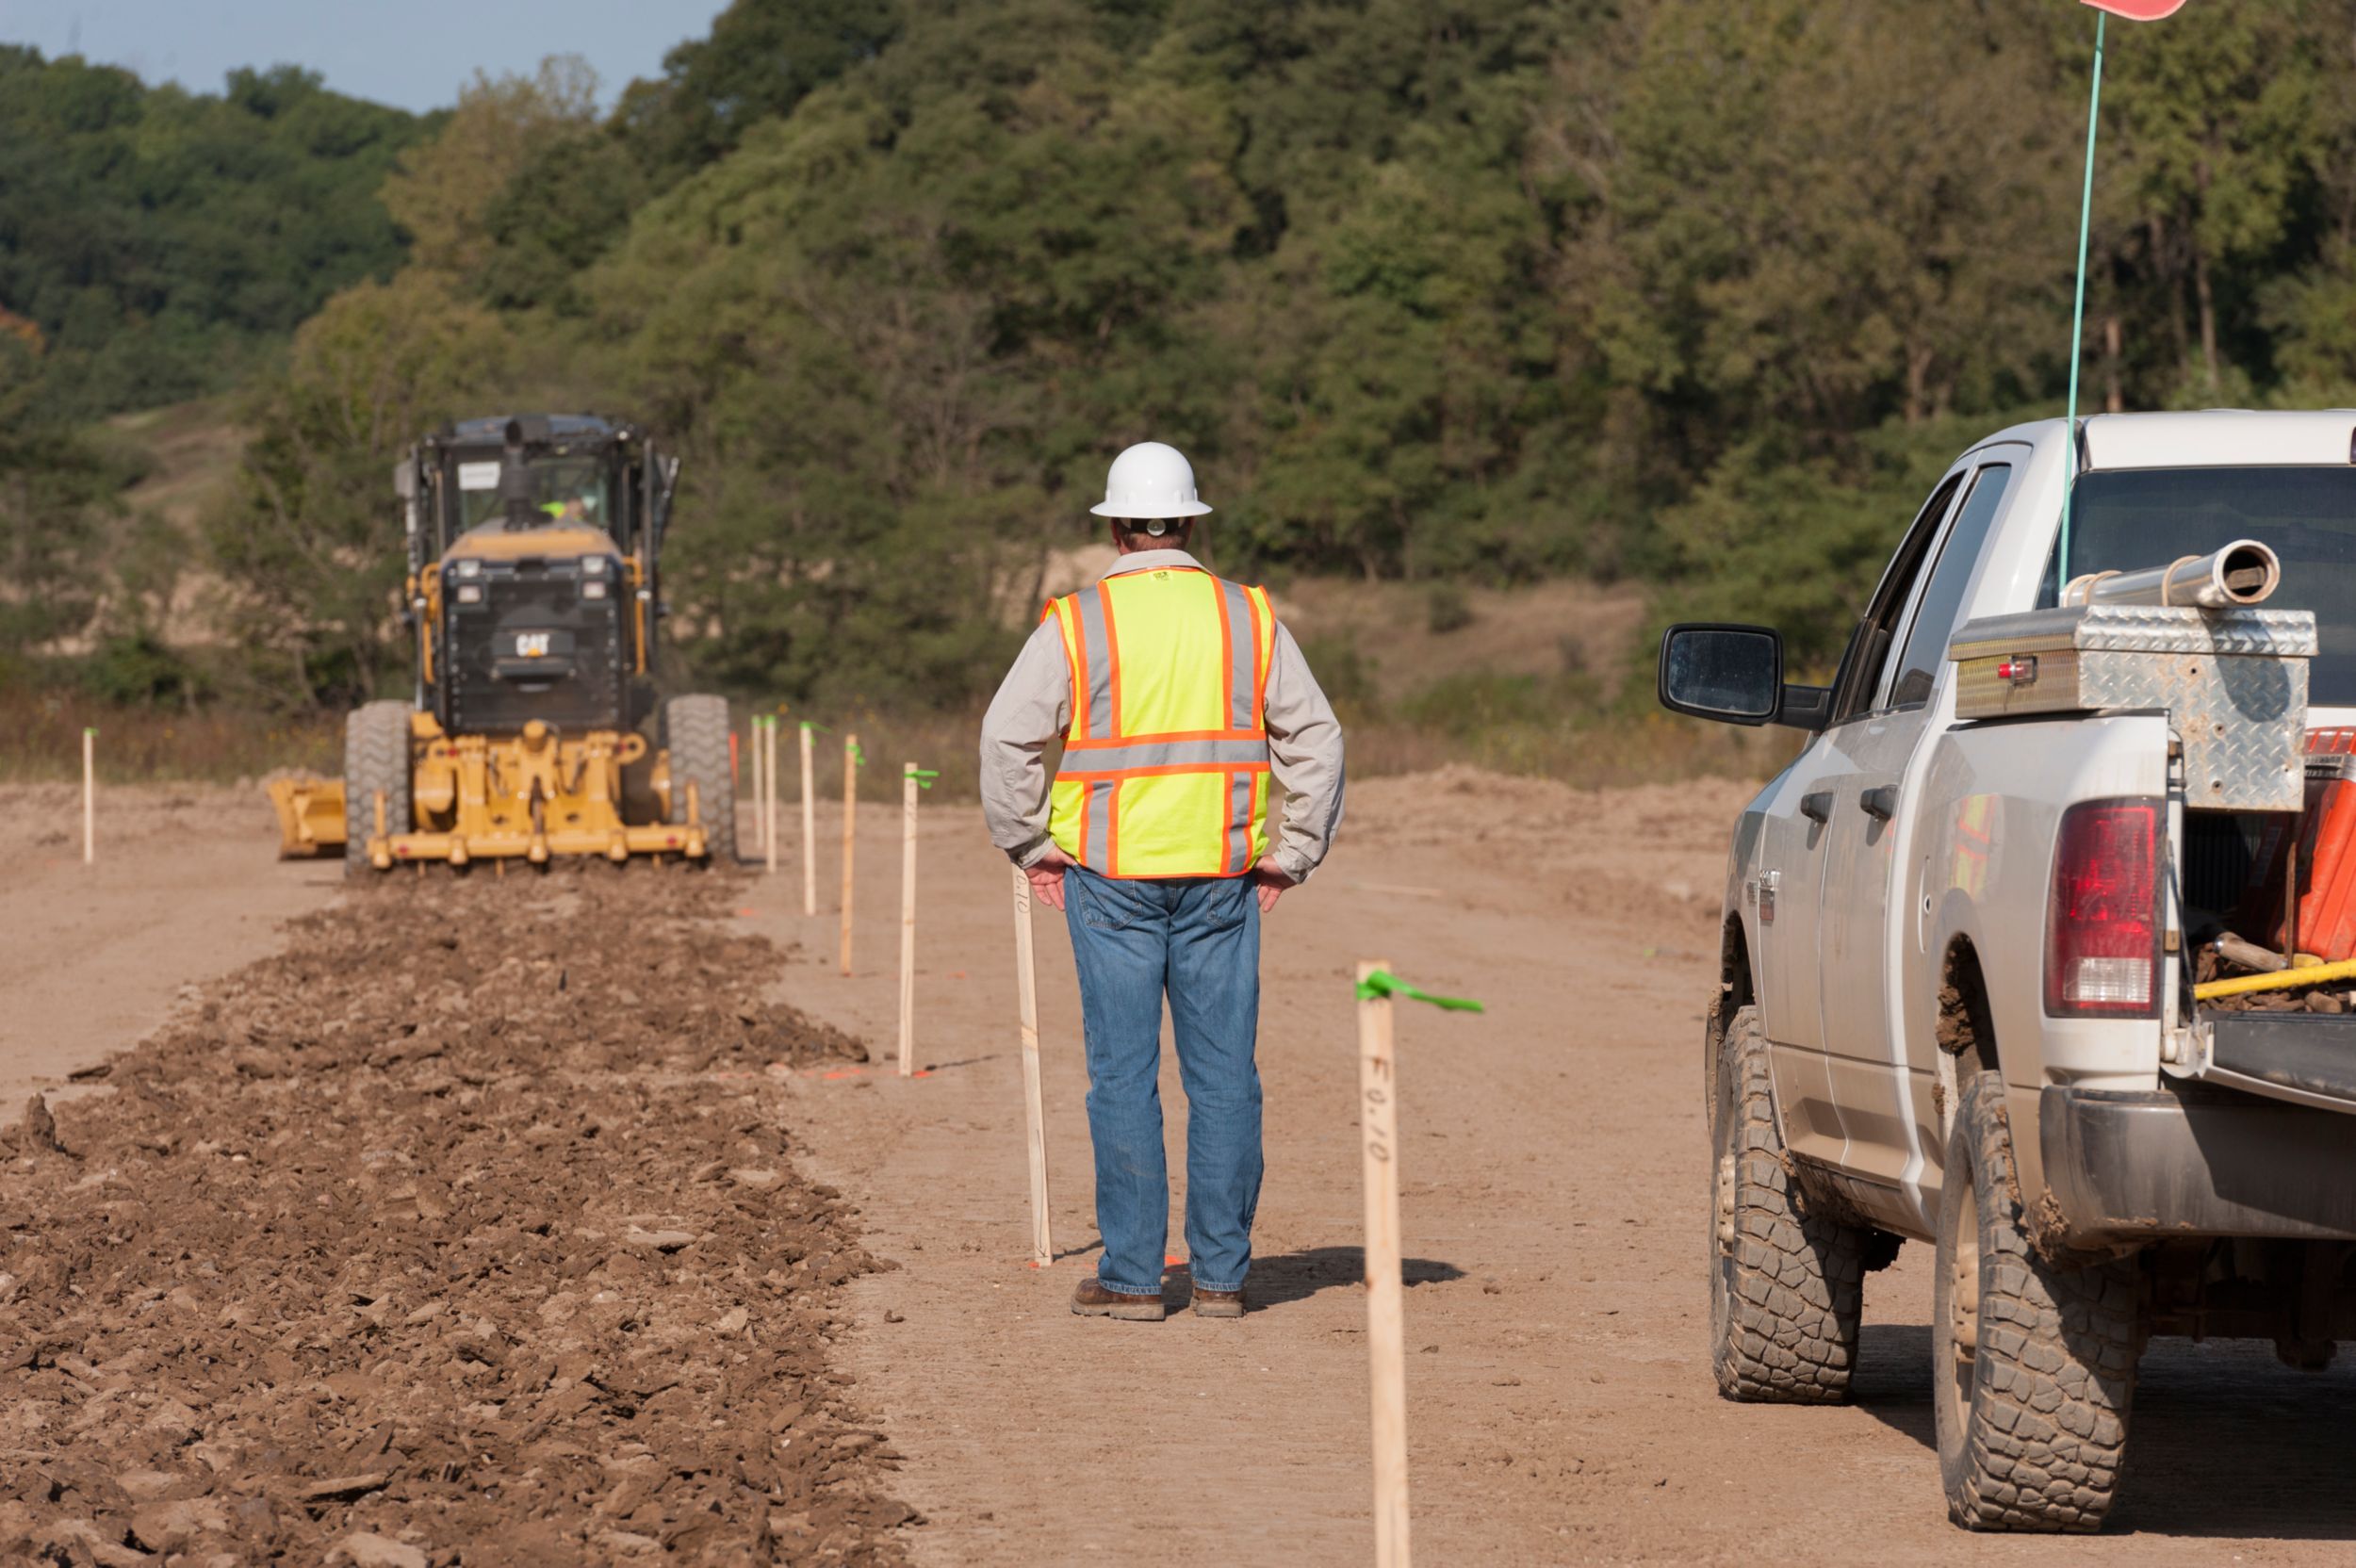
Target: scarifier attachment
{"type": "Point", "coordinates": [310, 814]}
{"type": "Point", "coordinates": [530, 796]}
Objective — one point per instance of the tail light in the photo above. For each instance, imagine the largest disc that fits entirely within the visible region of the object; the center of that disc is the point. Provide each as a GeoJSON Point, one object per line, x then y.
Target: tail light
{"type": "Point", "coordinates": [2103, 920]}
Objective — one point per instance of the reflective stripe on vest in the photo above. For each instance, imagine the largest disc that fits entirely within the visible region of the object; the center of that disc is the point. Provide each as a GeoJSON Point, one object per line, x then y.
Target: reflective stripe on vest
{"type": "Point", "coordinates": [1165, 768]}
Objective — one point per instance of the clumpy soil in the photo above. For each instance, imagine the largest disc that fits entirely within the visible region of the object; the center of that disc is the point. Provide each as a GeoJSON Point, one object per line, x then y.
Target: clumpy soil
{"type": "Point", "coordinates": [465, 1232]}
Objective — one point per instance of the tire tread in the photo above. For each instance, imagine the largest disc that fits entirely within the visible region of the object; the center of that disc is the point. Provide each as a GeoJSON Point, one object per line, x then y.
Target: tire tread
{"type": "Point", "coordinates": [1787, 1331]}
{"type": "Point", "coordinates": [2055, 1363]}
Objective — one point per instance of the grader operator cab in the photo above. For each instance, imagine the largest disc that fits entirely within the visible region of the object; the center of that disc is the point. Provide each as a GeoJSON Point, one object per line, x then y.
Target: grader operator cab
{"type": "Point", "coordinates": [535, 729]}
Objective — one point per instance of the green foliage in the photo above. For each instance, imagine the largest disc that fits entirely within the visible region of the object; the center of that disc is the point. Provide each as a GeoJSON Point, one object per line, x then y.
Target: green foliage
{"type": "Point", "coordinates": [309, 537]}
{"type": "Point", "coordinates": [763, 58]}
{"type": "Point", "coordinates": [1466, 290]}
{"type": "Point", "coordinates": [161, 240]}
{"type": "Point", "coordinates": [1799, 545]}
{"type": "Point", "coordinates": [1446, 608]}
{"type": "Point", "coordinates": [139, 669]}
{"type": "Point", "coordinates": [448, 193]}
{"type": "Point", "coordinates": [1344, 673]}
{"type": "Point", "coordinates": [58, 512]}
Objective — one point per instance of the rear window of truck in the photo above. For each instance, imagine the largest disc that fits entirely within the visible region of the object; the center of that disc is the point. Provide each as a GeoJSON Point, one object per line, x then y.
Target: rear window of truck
{"type": "Point", "coordinates": [2127, 519]}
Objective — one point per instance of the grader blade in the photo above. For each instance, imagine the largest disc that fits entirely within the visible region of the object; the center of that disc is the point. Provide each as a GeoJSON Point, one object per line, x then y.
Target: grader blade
{"type": "Point", "coordinates": [310, 815]}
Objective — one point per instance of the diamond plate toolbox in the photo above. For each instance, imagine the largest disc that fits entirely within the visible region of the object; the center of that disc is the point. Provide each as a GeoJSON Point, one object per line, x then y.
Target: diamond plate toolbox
{"type": "Point", "coordinates": [2234, 683]}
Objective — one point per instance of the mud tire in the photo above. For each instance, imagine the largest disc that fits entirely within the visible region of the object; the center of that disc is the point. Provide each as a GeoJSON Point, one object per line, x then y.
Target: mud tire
{"type": "Point", "coordinates": [2032, 1421]}
{"type": "Point", "coordinates": [695, 733]}
{"type": "Point", "coordinates": [376, 757]}
{"type": "Point", "coordinates": [1785, 1278]}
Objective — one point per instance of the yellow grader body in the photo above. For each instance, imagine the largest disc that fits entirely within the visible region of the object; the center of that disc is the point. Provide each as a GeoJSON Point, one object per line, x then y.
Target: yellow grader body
{"type": "Point", "coordinates": [527, 797]}
{"type": "Point", "coordinates": [537, 728]}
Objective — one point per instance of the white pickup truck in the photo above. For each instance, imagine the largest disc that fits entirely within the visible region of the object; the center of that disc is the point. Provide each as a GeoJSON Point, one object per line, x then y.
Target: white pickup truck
{"type": "Point", "coordinates": [1957, 998]}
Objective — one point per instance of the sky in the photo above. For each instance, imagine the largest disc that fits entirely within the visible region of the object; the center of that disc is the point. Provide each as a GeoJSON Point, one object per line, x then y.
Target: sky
{"type": "Point", "coordinates": [415, 54]}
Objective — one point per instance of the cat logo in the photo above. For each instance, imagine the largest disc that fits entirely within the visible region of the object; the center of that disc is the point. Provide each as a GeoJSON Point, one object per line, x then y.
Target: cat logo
{"type": "Point", "coordinates": [532, 644]}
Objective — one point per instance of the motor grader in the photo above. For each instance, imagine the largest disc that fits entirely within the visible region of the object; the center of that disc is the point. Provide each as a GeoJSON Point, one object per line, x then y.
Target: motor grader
{"type": "Point", "coordinates": [535, 729]}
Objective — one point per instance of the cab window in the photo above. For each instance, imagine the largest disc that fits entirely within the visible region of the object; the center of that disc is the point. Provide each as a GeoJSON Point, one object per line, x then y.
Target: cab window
{"type": "Point", "coordinates": [566, 490]}
{"type": "Point", "coordinates": [1862, 668]}
{"type": "Point", "coordinates": [1934, 624]}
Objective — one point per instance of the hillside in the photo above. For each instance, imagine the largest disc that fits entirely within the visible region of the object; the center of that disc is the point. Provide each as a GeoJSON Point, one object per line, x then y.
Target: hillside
{"type": "Point", "coordinates": [1471, 306]}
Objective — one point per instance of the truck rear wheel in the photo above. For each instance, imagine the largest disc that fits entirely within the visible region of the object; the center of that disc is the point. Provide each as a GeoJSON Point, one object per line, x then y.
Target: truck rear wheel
{"type": "Point", "coordinates": [696, 732]}
{"type": "Point", "coordinates": [376, 757]}
{"type": "Point", "coordinates": [1785, 1281]}
{"type": "Point", "coordinates": [2033, 1362]}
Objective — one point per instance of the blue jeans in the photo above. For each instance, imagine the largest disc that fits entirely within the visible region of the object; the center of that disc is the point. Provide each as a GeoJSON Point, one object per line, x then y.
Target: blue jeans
{"type": "Point", "coordinates": [1198, 939]}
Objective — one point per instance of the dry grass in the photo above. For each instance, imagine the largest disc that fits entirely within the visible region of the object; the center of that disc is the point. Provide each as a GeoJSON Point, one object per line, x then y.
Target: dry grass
{"type": "Point", "coordinates": [43, 743]}
{"type": "Point", "coordinates": [1519, 681]}
{"type": "Point", "coordinates": [40, 739]}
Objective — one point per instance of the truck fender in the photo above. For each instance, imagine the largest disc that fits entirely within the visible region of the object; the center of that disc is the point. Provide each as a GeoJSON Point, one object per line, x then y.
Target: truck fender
{"type": "Point", "coordinates": [1987, 818]}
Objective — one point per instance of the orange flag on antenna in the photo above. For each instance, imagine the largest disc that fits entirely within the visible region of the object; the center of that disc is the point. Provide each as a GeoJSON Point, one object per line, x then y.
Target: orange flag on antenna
{"type": "Point", "coordinates": [2138, 11]}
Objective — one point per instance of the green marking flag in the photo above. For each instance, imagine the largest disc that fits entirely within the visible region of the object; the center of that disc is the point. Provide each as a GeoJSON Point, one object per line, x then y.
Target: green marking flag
{"type": "Point", "coordinates": [923, 777]}
{"type": "Point", "coordinates": [1383, 983]}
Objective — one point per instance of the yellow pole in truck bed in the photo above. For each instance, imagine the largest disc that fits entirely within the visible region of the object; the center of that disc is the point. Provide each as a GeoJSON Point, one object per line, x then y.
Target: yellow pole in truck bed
{"type": "Point", "coordinates": [2281, 979]}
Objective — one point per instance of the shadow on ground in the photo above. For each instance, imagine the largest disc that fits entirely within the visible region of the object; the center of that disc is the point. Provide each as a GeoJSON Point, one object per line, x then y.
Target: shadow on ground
{"type": "Point", "coordinates": [2225, 1440]}
{"type": "Point", "coordinates": [1297, 1276]}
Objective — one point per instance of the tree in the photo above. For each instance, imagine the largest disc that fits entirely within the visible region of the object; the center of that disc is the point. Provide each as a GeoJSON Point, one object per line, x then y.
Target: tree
{"type": "Point", "coordinates": [762, 58]}
{"type": "Point", "coordinates": [2213, 141]}
{"type": "Point", "coordinates": [444, 192]}
{"type": "Point", "coordinates": [309, 540]}
{"type": "Point", "coordinates": [57, 501]}
{"type": "Point", "coordinates": [163, 242]}
{"type": "Point", "coordinates": [1819, 218]}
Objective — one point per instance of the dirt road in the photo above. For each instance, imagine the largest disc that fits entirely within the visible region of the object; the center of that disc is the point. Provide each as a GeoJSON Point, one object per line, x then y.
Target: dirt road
{"type": "Point", "coordinates": [1560, 1407]}
{"type": "Point", "coordinates": [184, 888]}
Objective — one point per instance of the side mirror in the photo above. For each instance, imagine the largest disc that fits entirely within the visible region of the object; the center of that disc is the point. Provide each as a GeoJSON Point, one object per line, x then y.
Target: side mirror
{"type": "Point", "coordinates": [1733, 673]}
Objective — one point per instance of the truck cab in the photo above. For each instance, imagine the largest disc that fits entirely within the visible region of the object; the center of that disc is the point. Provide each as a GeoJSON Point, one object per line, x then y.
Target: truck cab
{"type": "Point", "coordinates": [1963, 935]}
{"type": "Point", "coordinates": [533, 544]}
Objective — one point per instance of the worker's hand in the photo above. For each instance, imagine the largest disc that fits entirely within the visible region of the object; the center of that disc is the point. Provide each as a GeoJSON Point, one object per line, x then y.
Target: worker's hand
{"type": "Point", "coordinates": [1272, 882]}
{"type": "Point", "coordinates": [1046, 875]}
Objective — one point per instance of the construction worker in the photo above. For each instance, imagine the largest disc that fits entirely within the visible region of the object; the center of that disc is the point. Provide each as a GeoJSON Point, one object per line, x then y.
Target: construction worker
{"type": "Point", "coordinates": [1176, 694]}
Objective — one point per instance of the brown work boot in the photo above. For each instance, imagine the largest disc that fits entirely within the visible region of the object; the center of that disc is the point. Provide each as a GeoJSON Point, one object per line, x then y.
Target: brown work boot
{"type": "Point", "coordinates": [1217, 1303]}
{"type": "Point", "coordinates": [1091, 1300]}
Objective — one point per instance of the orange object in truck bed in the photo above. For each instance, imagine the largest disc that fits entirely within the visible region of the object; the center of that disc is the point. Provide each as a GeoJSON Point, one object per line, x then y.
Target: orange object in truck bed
{"type": "Point", "coordinates": [2327, 851]}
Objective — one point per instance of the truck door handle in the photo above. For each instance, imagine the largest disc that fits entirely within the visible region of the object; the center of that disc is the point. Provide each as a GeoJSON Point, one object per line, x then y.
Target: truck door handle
{"type": "Point", "coordinates": [1881, 801]}
{"type": "Point", "coordinates": [1817, 806]}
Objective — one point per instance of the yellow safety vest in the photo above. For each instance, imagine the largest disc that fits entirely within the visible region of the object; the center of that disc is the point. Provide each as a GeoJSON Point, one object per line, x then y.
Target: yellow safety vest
{"type": "Point", "coordinates": [1166, 767]}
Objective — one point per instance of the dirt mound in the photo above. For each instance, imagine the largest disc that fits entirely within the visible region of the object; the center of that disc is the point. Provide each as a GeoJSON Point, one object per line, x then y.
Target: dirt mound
{"type": "Point", "coordinates": [464, 1230]}
{"type": "Point", "coordinates": [1654, 855]}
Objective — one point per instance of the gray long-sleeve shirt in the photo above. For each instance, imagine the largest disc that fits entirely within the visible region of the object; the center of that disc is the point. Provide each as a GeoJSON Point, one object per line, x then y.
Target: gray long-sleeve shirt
{"type": "Point", "coordinates": [1034, 706]}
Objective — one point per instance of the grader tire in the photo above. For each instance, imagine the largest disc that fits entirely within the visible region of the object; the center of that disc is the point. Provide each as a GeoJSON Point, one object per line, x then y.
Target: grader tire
{"type": "Point", "coordinates": [696, 732]}
{"type": "Point", "coordinates": [376, 757]}
{"type": "Point", "coordinates": [1786, 1280]}
{"type": "Point", "coordinates": [2033, 1358]}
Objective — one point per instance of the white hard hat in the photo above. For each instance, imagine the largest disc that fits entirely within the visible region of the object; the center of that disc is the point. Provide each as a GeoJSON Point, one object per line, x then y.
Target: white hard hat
{"type": "Point", "coordinates": [1151, 480]}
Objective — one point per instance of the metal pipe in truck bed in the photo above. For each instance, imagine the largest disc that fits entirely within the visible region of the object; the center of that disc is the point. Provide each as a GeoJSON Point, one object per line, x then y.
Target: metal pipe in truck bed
{"type": "Point", "coordinates": [2243, 572]}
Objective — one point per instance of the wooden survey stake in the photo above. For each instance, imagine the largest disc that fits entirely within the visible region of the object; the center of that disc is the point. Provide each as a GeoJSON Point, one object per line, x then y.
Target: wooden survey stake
{"type": "Point", "coordinates": [1033, 1110]}
{"type": "Point", "coordinates": [909, 782]}
{"type": "Point", "coordinates": [809, 832]}
{"type": "Point", "coordinates": [752, 749]}
{"type": "Point", "coordinates": [769, 790]}
{"type": "Point", "coordinates": [1377, 1122]}
{"type": "Point", "coordinates": [90, 797]}
{"type": "Point", "coordinates": [850, 836]}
